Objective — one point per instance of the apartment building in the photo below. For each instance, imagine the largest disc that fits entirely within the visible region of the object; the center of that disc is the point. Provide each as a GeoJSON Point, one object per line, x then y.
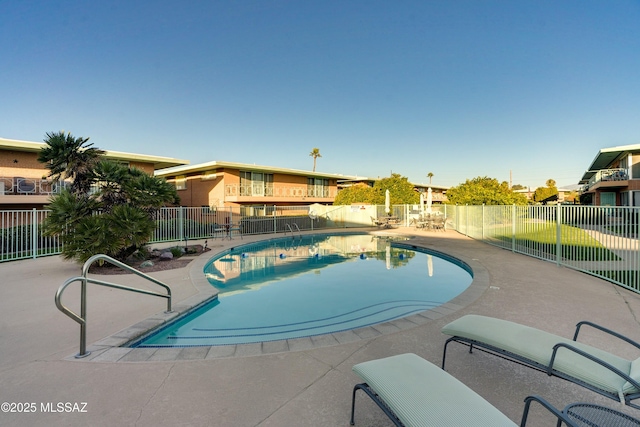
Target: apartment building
{"type": "Point", "coordinates": [613, 178]}
{"type": "Point", "coordinates": [24, 182]}
{"type": "Point", "coordinates": [220, 184]}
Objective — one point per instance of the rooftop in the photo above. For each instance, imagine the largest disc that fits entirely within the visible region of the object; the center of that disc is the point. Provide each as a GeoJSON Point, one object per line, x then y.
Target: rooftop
{"type": "Point", "coordinates": [217, 164]}
{"type": "Point", "coordinates": [604, 158]}
{"type": "Point", "coordinates": [159, 162]}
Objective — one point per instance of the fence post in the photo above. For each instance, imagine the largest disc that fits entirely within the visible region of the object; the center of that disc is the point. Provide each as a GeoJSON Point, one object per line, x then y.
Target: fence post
{"type": "Point", "coordinates": [456, 218]}
{"type": "Point", "coordinates": [181, 223]}
{"type": "Point", "coordinates": [406, 215]}
{"type": "Point", "coordinates": [275, 220]}
{"type": "Point", "coordinates": [558, 234]}
{"type": "Point", "coordinates": [466, 220]}
{"type": "Point", "coordinates": [636, 220]}
{"type": "Point", "coordinates": [483, 222]}
{"type": "Point", "coordinates": [513, 227]}
{"type": "Point", "coordinates": [34, 237]}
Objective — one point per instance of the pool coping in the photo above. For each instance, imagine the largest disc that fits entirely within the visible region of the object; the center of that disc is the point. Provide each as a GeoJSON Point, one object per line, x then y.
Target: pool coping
{"type": "Point", "coordinates": [112, 348]}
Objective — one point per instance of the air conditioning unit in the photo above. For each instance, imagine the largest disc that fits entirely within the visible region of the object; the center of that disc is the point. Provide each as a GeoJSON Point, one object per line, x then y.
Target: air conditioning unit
{"type": "Point", "coordinates": [208, 176]}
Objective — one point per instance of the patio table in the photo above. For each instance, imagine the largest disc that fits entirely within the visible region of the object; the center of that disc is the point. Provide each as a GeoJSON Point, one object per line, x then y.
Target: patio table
{"type": "Point", "coordinates": [388, 221]}
{"type": "Point", "coordinates": [588, 414]}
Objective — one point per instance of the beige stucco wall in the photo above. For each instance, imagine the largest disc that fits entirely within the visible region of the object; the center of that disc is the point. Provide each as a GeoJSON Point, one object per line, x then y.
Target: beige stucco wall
{"type": "Point", "coordinates": [22, 164]}
{"type": "Point", "coordinates": [216, 194]}
{"type": "Point", "coordinates": [196, 191]}
{"type": "Point", "coordinates": [26, 164]}
{"type": "Point", "coordinates": [145, 167]}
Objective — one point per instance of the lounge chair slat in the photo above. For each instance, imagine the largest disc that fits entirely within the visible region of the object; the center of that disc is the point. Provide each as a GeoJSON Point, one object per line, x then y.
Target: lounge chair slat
{"type": "Point", "coordinates": [421, 394]}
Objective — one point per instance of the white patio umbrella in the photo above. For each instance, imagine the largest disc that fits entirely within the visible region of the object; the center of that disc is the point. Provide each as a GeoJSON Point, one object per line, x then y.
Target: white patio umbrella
{"type": "Point", "coordinates": [387, 202]}
{"type": "Point", "coordinates": [388, 257]}
{"type": "Point", "coordinates": [429, 200]}
{"type": "Point", "coordinates": [422, 204]}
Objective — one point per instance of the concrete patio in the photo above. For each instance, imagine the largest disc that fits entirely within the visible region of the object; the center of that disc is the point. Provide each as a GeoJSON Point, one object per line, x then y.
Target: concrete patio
{"type": "Point", "coordinates": [282, 384]}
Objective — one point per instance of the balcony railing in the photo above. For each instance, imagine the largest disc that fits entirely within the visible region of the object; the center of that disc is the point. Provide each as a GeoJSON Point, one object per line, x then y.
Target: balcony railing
{"type": "Point", "coordinates": [608, 175]}
{"type": "Point", "coordinates": [260, 190]}
{"type": "Point", "coordinates": [12, 186]}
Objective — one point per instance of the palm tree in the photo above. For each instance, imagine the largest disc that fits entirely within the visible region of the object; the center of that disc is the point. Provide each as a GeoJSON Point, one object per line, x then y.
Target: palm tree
{"type": "Point", "coordinates": [315, 153]}
{"type": "Point", "coordinates": [430, 175]}
{"type": "Point", "coordinates": [117, 218]}
{"type": "Point", "coordinates": [68, 157]}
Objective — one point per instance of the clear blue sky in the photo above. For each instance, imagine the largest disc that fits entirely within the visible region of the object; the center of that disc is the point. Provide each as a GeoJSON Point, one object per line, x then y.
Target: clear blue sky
{"type": "Point", "coordinates": [457, 88]}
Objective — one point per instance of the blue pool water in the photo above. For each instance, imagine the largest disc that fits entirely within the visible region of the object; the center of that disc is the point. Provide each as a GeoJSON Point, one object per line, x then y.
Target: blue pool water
{"type": "Point", "coordinates": [291, 288]}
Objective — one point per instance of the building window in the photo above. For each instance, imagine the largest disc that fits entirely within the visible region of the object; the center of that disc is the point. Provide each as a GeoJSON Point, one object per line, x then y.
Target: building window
{"type": "Point", "coordinates": [256, 184]}
{"type": "Point", "coordinates": [624, 198]}
{"type": "Point", "coordinates": [317, 187]}
{"type": "Point", "coordinates": [634, 170]}
{"type": "Point", "coordinates": [181, 182]}
{"type": "Point", "coordinates": [607, 198]}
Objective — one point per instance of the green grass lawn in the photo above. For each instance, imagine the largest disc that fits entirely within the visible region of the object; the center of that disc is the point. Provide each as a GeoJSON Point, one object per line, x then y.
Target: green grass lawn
{"type": "Point", "coordinates": [577, 245]}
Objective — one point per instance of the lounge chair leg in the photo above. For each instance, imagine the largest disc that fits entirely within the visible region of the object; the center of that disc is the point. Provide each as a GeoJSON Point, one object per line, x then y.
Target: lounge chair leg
{"type": "Point", "coordinates": [364, 387]}
{"type": "Point", "coordinates": [353, 405]}
{"type": "Point", "coordinates": [444, 353]}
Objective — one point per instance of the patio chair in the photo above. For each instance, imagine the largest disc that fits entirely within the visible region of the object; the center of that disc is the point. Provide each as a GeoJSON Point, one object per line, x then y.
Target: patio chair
{"type": "Point", "coordinates": [217, 229]}
{"type": "Point", "coordinates": [595, 369]}
{"type": "Point", "coordinates": [420, 222]}
{"type": "Point", "coordinates": [438, 223]}
{"type": "Point", "coordinates": [231, 228]}
{"type": "Point", "coordinates": [413, 392]}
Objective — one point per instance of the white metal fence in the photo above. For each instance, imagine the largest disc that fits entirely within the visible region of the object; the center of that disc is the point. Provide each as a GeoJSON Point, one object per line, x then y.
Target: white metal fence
{"type": "Point", "coordinates": [21, 235]}
{"type": "Point", "coordinates": [599, 240]}
{"type": "Point", "coordinates": [602, 241]}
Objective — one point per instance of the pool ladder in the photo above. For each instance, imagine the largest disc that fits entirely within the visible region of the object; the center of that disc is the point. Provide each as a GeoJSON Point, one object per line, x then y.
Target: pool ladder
{"type": "Point", "coordinates": [82, 317]}
{"type": "Point", "coordinates": [291, 229]}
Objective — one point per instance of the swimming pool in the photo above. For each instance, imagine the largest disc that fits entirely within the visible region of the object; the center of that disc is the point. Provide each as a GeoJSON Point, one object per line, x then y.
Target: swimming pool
{"type": "Point", "coordinates": [291, 288]}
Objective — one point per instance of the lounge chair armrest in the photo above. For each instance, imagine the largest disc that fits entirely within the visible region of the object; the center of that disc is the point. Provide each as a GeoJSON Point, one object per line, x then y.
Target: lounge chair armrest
{"type": "Point", "coordinates": [561, 416]}
{"type": "Point", "coordinates": [607, 330]}
{"type": "Point", "coordinates": [600, 362]}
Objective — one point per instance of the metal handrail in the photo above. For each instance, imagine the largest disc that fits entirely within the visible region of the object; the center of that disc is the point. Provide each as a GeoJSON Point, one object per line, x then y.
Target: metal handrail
{"type": "Point", "coordinates": [291, 229]}
{"type": "Point", "coordinates": [82, 317]}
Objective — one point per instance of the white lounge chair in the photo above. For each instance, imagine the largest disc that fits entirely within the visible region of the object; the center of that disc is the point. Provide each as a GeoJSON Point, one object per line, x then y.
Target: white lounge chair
{"type": "Point", "coordinates": [413, 392]}
{"type": "Point", "coordinates": [590, 367]}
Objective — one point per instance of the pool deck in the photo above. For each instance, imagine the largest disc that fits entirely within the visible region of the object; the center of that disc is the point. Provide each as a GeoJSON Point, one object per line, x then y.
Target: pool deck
{"type": "Point", "coordinates": [286, 383]}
